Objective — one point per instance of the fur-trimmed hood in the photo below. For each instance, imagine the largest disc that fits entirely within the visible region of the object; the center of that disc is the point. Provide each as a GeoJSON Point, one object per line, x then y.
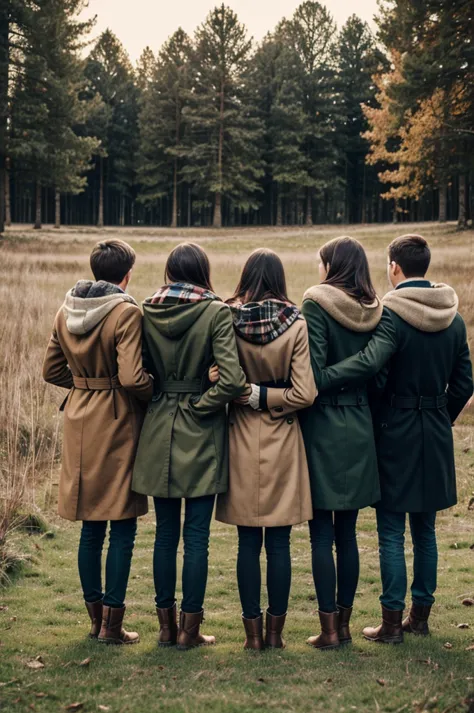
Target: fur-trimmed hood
{"type": "Point", "coordinates": [88, 303]}
{"type": "Point", "coordinates": [429, 309]}
{"type": "Point", "coordinates": [346, 310]}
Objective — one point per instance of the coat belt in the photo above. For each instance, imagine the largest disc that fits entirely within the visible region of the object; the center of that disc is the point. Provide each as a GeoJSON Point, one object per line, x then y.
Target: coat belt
{"type": "Point", "coordinates": [349, 398]}
{"type": "Point", "coordinates": [102, 383]}
{"type": "Point", "coordinates": [186, 386]}
{"type": "Point", "coordinates": [419, 402]}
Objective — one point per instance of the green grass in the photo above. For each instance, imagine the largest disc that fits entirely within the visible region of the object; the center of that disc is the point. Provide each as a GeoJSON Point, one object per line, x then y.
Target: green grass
{"type": "Point", "coordinates": [45, 617]}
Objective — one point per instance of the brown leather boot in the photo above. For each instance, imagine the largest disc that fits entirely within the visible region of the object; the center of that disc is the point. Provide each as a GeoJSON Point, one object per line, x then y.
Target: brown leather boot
{"type": "Point", "coordinates": [254, 633]}
{"type": "Point", "coordinates": [94, 610]}
{"type": "Point", "coordinates": [328, 638]}
{"type": "Point", "coordinates": [390, 630]}
{"type": "Point", "coordinates": [168, 626]}
{"type": "Point", "coordinates": [417, 620]}
{"type": "Point", "coordinates": [112, 631]}
{"type": "Point", "coordinates": [274, 626]}
{"type": "Point", "coordinates": [343, 629]}
{"type": "Point", "coordinates": [188, 632]}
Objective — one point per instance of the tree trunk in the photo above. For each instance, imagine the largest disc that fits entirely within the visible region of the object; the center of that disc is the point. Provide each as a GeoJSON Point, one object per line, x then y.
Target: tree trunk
{"type": "Point", "coordinates": [443, 189]}
{"type": "Point", "coordinates": [395, 211]}
{"type": "Point", "coordinates": [190, 207]}
{"type": "Point", "coordinates": [100, 220]}
{"type": "Point", "coordinates": [309, 207]}
{"type": "Point", "coordinates": [8, 206]}
{"type": "Point", "coordinates": [4, 59]}
{"type": "Point", "coordinates": [217, 223]}
{"type": "Point", "coordinates": [363, 217]}
{"type": "Point", "coordinates": [279, 218]}
{"type": "Point", "coordinates": [462, 220]}
{"type": "Point", "coordinates": [122, 211]}
{"type": "Point", "coordinates": [174, 210]}
{"type": "Point", "coordinates": [57, 209]}
{"type": "Point", "coordinates": [37, 225]}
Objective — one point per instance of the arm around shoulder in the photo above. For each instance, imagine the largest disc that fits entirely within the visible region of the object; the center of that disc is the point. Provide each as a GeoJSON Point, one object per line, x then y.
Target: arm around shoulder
{"type": "Point", "coordinates": [128, 334]}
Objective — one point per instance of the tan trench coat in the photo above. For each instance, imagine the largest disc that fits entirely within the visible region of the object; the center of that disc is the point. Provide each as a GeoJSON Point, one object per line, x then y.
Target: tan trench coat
{"type": "Point", "coordinates": [101, 427]}
{"type": "Point", "coordinates": [269, 480]}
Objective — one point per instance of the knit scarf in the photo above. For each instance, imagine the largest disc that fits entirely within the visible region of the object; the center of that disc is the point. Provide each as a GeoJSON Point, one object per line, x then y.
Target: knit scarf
{"type": "Point", "coordinates": [182, 293]}
{"type": "Point", "coordinates": [263, 322]}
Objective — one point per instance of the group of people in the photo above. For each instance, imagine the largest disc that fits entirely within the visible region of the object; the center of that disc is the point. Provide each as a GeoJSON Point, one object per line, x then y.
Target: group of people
{"type": "Point", "coordinates": [283, 415]}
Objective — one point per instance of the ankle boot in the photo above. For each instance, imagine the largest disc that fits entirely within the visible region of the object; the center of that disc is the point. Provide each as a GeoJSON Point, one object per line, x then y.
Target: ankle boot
{"type": "Point", "coordinates": [254, 633]}
{"type": "Point", "coordinates": [188, 633]}
{"type": "Point", "coordinates": [94, 610]}
{"type": "Point", "coordinates": [343, 629]}
{"type": "Point", "coordinates": [168, 626]}
{"type": "Point", "coordinates": [112, 631]}
{"type": "Point", "coordinates": [328, 638]}
{"type": "Point", "coordinates": [417, 620]}
{"type": "Point", "coordinates": [390, 630]}
{"type": "Point", "coordinates": [274, 626]}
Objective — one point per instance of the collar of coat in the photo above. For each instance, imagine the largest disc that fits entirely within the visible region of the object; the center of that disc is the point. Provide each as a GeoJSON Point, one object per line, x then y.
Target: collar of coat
{"type": "Point", "coordinates": [182, 293]}
{"type": "Point", "coordinates": [346, 310]}
{"type": "Point", "coordinates": [430, 308]}
{"type": "Point", "coordinates": [88, 303]}
{"type": "Point", "coordinates": [263, 322]}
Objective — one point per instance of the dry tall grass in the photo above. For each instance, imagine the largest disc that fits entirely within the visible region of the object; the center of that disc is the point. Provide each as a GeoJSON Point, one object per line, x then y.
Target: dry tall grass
{"type": "Point", "coordinates": [37, 270]}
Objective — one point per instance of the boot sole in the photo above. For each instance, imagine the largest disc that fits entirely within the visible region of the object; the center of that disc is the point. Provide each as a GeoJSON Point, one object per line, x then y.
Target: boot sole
{"type": "Point", "coordinates": [393, 641]}
{"type": "Point", "coordinates": [181, 647]}
{"type": "Point", "coordinates": [117, 642]}
{"type": "Point", "coordinates": [345, 642]}
{"type": "Point", "coordinates": [325, 648]}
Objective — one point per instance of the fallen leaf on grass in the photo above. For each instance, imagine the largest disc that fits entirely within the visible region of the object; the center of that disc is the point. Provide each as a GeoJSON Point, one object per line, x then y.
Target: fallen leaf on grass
{"type": "Point", "coordinates": [468, 602]}
{"type": "Point", "coordinates": [35, 665]}
{"type": "Point", "coordinates": [13, 618]}
{"type": "Point", "coordinates": [261, 680]}
{"type": "Point", "coordinates": [74, 707]}
{"type": "Point", "coordinates": [8, 683]}
{"type": "Point", "coordinates": [471, 504]}
{"type": "Point", "coordinates": [3, 607]}
{"type": "Point", "coordinates": [328, 680]}
{"type": "Point", "coordinates": [86, 661]}
{"type": "Point", "coordinates": [381, 681]}
{"type": "Point", "coordinates": [32, 707]}
{"type": "Point", "coordinates": [103, 708]}
{"type": "Point", "coordinates": [163, 688]}
{"type": "Point", "coordinates": [470, 648]}
{"type": "Point", "coordinates": [462, 626]}
{"type": "Point", "coordinates": [161, 668]}
{"type": "Point", "coordinates": [41, 695]}
{"type": "Point", "coordinates": [447, 645]}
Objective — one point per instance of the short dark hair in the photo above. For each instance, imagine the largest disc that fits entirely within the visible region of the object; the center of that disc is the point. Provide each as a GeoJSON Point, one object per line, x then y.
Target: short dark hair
{"type": "Point", "coordinates": [111, 260]}
{"type": "Point", "coordinates": [262, 278]}
{"type": "Point", "coordinates": [189, 263]}
{"type": "Point", "coordinates": [411, 253]}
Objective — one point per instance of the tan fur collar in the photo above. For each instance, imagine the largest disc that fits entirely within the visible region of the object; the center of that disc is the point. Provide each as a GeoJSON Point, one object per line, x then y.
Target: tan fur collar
{"type": "Point", "coordinates": [429, 309]}
{"type": "Point", "coordinates": [345, 309]}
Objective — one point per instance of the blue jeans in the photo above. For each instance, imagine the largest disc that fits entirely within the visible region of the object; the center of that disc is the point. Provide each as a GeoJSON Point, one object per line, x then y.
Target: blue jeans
{"type": "Point", "coordinates": [117, 566]}
{"type": "Point", "coordinates": [277, 547]}
{"type": "Point", "coordinates": [196, 529]}
{"type": "Point", "coordinates": [391, 529]}
{"type": "Point", "coordinates": [326, 529]}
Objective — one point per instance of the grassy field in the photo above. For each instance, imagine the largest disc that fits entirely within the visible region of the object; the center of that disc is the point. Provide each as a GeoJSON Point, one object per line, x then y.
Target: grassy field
{"type": "Point", "coordinates": [41, 612]}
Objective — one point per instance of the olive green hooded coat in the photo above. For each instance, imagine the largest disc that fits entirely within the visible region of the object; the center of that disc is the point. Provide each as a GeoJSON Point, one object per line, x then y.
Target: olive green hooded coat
{"type": "Point", "coordinates": [183, 447]}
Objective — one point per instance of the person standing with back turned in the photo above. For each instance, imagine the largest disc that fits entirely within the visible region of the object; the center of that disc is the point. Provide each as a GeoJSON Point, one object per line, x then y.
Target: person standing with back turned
{"type": "Point", "coordinates": [426, 381]}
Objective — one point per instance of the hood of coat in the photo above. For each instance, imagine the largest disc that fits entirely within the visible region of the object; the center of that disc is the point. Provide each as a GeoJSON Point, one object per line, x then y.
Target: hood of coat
{"type": "Point", "coordinates": [263, 322]}
{"type": "Point", "coordinates": [173, 320]}
{"type": "Point", "coordinates": [429, 309]}
{"type": "Point", "coordinates": [346, 310]}
{"type": "Point", "coordinates": [89, 303]}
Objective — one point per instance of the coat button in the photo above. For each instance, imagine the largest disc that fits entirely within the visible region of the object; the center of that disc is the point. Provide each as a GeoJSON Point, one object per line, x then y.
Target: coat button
{"type": "Point", "coordinates": [278, 409]}
{"type": "Point", "coordinates": [290, 420]}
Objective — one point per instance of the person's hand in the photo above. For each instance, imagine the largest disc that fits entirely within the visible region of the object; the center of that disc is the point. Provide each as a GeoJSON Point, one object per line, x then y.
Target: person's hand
{"type": "Point", "coordinates": [243, 400]}
{"type": "Point", "coordinates": [214, 374]}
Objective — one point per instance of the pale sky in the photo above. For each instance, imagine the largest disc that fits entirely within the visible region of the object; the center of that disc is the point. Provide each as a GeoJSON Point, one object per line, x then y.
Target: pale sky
{"type": "Point", "coordinates": [138, 23]}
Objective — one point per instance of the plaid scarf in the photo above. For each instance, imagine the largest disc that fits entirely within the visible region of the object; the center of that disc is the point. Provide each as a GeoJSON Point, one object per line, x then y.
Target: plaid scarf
{"type": "Point", "coordinates": [182, 293]}
{"type": "Point", "coordinates": [263, 322]}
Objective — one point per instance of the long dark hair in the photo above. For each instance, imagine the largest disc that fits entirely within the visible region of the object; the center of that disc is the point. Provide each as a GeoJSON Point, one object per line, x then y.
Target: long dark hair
{"type": "Point", "coordinates": [189, 263]}
{"type": "Point", "coordinates": [348, 268]}
{"type": "Point", "coordinates": [262, 278]}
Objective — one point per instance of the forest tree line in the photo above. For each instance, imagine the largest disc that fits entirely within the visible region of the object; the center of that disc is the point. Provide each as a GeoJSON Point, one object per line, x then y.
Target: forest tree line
{"type": "Point", "coordinates": [314, 124]}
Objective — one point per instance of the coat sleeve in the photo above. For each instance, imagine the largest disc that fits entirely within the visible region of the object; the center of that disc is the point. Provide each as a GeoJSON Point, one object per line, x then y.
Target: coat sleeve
{"type": "Point", "coordinates": [460, 385]}
{"type": "Point", "coordinates": [128, 336]}
{"type": "Point", "coordinates": [303, 390]}
{"type": "Point", "coordinates": [367, 363]}
{"type": "Point", "coordinates": [55, 367]}
{"type": "Point", "coordinates": [318, 341]}
{"type": "Point", "coordinates": [232, 382]}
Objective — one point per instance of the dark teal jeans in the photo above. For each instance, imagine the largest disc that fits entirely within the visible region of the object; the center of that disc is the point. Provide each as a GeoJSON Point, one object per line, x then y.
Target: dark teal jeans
{"type": "Point", "coordinates": [391, 530]}
{"type": "Point", "coordinates": [196, 529]}
{"type": "Point", "coordinates": [117, 565]}
{"type": "Point", "coordinates": [277, 547]}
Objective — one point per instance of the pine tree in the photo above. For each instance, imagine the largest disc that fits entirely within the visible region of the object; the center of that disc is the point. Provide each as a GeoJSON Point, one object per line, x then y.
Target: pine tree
{"type": "Point", "coordinates": [223, 160]}
{"type": "Point", "coordinates": [162, 123]}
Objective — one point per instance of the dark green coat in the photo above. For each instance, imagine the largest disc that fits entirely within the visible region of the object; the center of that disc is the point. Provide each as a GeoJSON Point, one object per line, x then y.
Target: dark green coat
{"type": "Point", "coordinates": [183, 448]}
{"type": "Point", "coordinates": [339, 439]}
{"type": "Point", "coordinates": [415, 446]}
